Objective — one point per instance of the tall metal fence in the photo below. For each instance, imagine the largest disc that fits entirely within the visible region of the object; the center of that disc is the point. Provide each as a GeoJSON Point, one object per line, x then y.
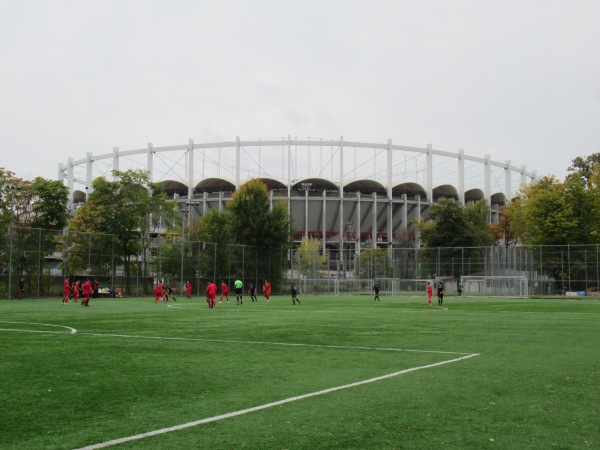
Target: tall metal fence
{"type": "Point", "coordinates": [39, 260]}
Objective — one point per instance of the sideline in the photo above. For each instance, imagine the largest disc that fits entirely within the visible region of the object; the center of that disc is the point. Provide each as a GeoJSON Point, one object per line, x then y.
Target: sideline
{"type": "Point", "coordinates": [267, 405]}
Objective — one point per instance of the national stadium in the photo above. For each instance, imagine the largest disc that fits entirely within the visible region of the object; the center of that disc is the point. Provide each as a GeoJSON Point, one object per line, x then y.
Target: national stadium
{"type": "Point", "coordinates": [345, 193]}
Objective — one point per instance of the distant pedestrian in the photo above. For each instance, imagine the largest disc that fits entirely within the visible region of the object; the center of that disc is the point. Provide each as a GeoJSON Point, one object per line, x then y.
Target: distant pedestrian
{"type": "Point", "coordinates": [376, 289]}
{"type": "Point", "coordinates": [21, 288]}
{"type": "Point", "coordinates": [459, 288]}
{"type": "Point", "coordinates": [294, 294]}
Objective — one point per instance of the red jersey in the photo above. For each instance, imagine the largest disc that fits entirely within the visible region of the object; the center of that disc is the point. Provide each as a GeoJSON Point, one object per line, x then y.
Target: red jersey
{"type": "Point", "coordinates": [87, 288]}
{"type": "Point", "coordinates": [224, 288]}
{"type": "Point", "coordinates": [211, 289]}
{"type": "Point", "coordinates": [429, 290]}
{"type": "Point", "coordinates": [267, 288]}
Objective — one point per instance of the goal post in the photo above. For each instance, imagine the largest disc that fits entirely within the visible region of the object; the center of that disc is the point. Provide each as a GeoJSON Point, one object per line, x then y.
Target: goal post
{"type": "Point", "coordinates": [497, 286]}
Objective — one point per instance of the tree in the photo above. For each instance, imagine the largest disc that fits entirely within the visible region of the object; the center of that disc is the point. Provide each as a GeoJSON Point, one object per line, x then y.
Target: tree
{"type": "Point", "coordinates": [255, 223]}
{"type": "Point", "coordinates": [118, 213]}
{"type": "Point", "coordinates": [373, 263]}
{"type": "Point", "coordinates": [311, 259]}
{"type": "Point", "coordinates": [454, 232]}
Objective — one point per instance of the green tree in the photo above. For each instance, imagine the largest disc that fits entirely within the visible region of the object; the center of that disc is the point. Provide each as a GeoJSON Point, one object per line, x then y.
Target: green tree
{"type": "Point", "coordinates": [118, 213]}
{"type": "Point", "coordinates": [373, 263]}
{"type": "Point", "coordinates": [452, 231]}
{"type": "Point", "coordinates": [311, 259]}
{"type": "Point", "coordinates": [266, 228]}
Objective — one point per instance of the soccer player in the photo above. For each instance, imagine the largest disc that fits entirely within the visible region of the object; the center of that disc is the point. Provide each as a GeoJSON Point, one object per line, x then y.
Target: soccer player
{"type": "Point", "coordinates": [66, 291]}
{"type": "Point", "coordinates": [252, 292]}
{"type": "Point", "coordinates": [188, 290]}
{"type": "Point", "coordinates": [429, 293]}
{"type": "Point", "coordinates": [294, 295]}
{"type": "Point", "coordinates": [76, 290]}
{"type": "Point", "coordinates": [169, 293]}
{"type": "Point", "coordinates": [158, 293]}
{"type": "Point", "coordinates": [224, 292]}
{"type": "Point", "coordinates": [376, 288]}
{"type": "Point", "coordinates": [440, 292]}
{"type": "Point", "coordinates": [239, 291]}
{"type": "Point", "coordinates": [87, 293]}
{"type": "Point", "coordinates": [459, 288]}
{"type": "Point", "coordinates": [267, 290]}
{"type": "Point", "coordinates": [211, 294]}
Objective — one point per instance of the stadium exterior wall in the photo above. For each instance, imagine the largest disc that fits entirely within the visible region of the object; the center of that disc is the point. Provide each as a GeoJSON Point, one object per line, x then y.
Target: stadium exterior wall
{"type": "Point", "coordinates": [370, 197]}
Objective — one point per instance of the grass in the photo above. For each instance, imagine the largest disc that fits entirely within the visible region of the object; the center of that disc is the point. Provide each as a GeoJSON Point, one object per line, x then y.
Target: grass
{"type": "Point", "coordinates": [134, 366]}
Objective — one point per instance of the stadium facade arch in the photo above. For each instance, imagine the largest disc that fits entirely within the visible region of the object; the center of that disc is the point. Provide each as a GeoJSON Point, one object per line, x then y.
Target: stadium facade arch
{"type": "Point", "coordinates": [344, 193]}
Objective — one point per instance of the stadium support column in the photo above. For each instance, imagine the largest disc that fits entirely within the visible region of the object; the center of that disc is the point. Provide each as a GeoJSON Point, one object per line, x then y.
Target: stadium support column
{"type": "Point", "coordinates": [289, 182]}
{"type": "Point", "coordinates": [507, 181]}
{"type": "Point", "coordinates": [237, 163]}
{"type": "Point", "coordinates": [429, 173]}
{"type": "Point", "coordinates": [374, 220]}
{"type": "Point", "coordinates": [405, 213]}
{"type": "Point", "coordinates": [150, 162]}
{"type": "Point", "coordinates": [305, 213]}
{"type": "Point", "coordinates": [390, 218]}
{"type": "Point", "coordinates": [486, 180]}
{"type": "Point", "coordinates": [115, 161]}
{"type": "Point", "coordinates": [70, 182]}
{"type": "Point", "coordinates": [324, 222]}
{"type": "Point", "coordinates": [341, 221]}
{"type": "Point", "coordinates": [461, 177]}
{"type": "Point", "coordinates": [190, 173]}
{"type": "Point", "coordinates": [358, 225]}
{"type": "Point", "coordinates": [523, 175]}
{"type": "Point", "coordinates": [88, 173]}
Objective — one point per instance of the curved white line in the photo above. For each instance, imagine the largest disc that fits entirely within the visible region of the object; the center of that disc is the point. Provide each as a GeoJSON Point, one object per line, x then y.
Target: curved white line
{"type": "Point", "coordinates": [72, 330]}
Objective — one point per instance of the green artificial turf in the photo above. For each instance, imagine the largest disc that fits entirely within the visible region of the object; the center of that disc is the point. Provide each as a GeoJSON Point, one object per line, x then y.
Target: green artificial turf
{"type": "Point", "coordinates": [72, 376]}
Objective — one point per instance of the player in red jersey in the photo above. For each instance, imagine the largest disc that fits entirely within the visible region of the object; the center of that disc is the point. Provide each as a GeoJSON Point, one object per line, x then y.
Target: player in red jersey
{"type": "Point", "coordinates": [87, 293]}
{"type": "Point", "coordinates": [66, 291]}
{"type": "Point", "coordinates": [76, 291]}
{"type": "Point", "coordinates": [211, 294]}
{"type": "Point", "coordinates": [224, 292]}
{"type": "Point", "coordinates": [429, 293]}
{"type": "Point", "coordinates": [188, 290]}
{"type": "Point", "coordinates": [158, 293]}
{"type": "Point", "coordinates": [267, 290]}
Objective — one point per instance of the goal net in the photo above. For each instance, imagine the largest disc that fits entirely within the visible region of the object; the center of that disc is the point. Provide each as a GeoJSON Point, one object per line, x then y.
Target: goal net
{"type": "Point", "coordinates": [500, 286]}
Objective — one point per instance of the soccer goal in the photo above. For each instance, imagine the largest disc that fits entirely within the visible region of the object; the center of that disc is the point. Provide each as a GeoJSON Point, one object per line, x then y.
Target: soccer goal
{"type": "Point", "coordinates": [499, 286]}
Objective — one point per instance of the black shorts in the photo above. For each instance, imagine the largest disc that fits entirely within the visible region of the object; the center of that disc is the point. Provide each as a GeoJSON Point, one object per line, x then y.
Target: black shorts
{"type": "Point", "coordinates": [238, 291]}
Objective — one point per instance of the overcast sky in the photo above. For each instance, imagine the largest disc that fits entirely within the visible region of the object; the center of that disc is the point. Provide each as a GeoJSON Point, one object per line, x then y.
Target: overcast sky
{"type": "Point", "coordinates": [518, 80]}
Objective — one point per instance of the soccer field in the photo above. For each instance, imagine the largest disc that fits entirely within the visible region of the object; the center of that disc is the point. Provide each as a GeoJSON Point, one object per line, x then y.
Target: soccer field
{"type": "Point", "coordinates": [333, 372]}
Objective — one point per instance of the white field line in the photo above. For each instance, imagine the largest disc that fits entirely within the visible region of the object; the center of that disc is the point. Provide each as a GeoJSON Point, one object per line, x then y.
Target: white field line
{"type": "Point", "coordinates": [110, 443]}
{"type": "Point", "coordinates": [267, 405]}
{"type": "Point", "coordinates": [71, 330]}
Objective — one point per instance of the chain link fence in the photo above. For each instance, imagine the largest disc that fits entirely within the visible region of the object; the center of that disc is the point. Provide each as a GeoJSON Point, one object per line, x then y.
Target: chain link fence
{"type": "Point", "coordinates": [34, 263]}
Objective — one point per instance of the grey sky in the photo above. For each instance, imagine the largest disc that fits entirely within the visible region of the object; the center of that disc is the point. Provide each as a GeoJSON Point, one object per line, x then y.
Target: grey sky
{"type": "Point", "coordinates": [518, 80]}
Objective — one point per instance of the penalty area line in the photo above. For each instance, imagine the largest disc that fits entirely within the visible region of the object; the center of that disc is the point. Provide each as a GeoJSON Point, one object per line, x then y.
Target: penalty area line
{"type": "Point", "coordinates": [268, 405]}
